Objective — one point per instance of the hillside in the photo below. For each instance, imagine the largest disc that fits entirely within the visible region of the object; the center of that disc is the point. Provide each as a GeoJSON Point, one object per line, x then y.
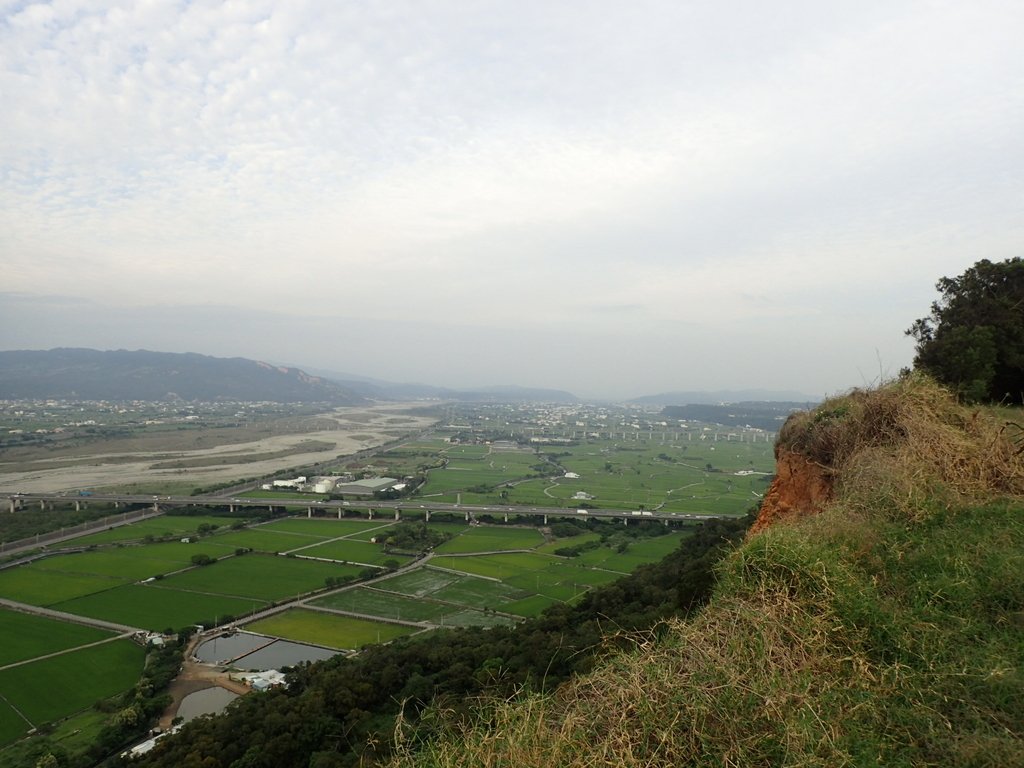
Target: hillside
{"type": "Point", "coordinates": [344, 711]}
{"type": "Point", "coordinates": [875, 618]}
{"type": "Point", "coordinates": [88, 374]}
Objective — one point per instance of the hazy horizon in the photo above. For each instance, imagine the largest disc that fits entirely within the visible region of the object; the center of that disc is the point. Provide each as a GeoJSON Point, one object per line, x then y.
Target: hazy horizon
{"type": "Point", "coordinates": [614, 200]}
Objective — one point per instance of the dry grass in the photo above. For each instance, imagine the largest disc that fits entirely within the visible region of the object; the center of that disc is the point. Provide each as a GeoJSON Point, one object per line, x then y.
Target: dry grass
{"type": "Point", "coordinates": [910, 446]}
{"type": "Point", "coordinates": [885, 631]}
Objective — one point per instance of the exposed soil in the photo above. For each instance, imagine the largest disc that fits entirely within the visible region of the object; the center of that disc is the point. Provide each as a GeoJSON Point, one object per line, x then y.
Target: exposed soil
{"type": "Point", "coordinates": [801, 487]}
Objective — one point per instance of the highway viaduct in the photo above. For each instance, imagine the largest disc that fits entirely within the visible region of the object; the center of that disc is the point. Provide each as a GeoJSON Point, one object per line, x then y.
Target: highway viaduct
{"type": "Point", "coordinates": [24, 501]}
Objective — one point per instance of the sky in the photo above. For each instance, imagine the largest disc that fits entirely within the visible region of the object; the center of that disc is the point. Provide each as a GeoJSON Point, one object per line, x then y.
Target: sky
{"type": "Point", "coordinates": [612, 198]}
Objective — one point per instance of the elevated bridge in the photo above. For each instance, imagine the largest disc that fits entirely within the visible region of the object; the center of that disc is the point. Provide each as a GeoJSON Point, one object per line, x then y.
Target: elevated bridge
{"type": "Point", "coordinates": [20, 501]}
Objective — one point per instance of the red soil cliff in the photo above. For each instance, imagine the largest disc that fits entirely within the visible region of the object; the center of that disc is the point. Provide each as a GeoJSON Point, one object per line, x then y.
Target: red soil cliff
{"type": "Point", "coordinates": [801, 487]}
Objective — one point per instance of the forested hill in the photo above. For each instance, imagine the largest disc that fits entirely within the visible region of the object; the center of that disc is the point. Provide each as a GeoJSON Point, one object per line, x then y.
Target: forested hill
{"type": "Point", "coordinates": [89, 374]}
{"type": "Point", "coordinates": [343, 712]}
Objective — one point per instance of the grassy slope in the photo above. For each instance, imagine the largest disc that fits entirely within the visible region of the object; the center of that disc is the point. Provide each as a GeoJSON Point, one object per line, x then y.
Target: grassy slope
{"type": "Point", "coordinates": [885, 631]}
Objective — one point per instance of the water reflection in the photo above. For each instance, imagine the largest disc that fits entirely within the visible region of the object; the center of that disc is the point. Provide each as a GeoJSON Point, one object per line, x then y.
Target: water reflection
{"type": "Point", "coordinates": [208, 701]}
{"type": "Point", "coordinates": [254, 653]}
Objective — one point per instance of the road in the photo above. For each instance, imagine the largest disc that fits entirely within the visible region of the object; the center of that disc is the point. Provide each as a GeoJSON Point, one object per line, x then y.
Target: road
{"type": "Point", "coordinates": [158, 503]}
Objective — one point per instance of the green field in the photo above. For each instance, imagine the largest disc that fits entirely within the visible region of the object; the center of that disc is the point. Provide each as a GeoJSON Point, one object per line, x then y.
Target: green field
{"type": "Point", "coordinates": [331, 630]}
{"type": "Point", "coordinates": [130, 566]}
{"type": "Point", "coordinates": [26, 636]}
{"type": "Point", "coordinates": [258, 577]}
{"type": "Point", "coordinates": [155, 608]}
{"type": "Point", "coordinates": [419, 583]}
{"type": "Point", "coordinates": [373, 602]}
{"type": "Point", "coordinates": [52, 688]}
{"type": "Point", "coordinates": [478, 593]}
{"type": "Point", "coordinates": [12, 725]}
{"type": "Point", "coordinates": [530, 607]}
{"type": "Point", "coordinates": [674, 475]}
{"type": "Point", "coordinates": [263, 540]}
{"type": "Point", "coordinates": [497, 566]}
{"type": "Point", "coordinates": [165, 525]}
{"type": "Point", "coordinates": [33, 585]}
{"type": "Point", "coordinates": [353, 552]}
{"type": "Point", "coordinates": [488, 539]}
{"type": "Point", "coordinates": [323, 528]}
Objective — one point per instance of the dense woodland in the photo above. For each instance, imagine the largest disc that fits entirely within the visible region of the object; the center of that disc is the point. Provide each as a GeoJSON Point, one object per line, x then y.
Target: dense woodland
{"type": "Point", "coordinates": [342, 712]}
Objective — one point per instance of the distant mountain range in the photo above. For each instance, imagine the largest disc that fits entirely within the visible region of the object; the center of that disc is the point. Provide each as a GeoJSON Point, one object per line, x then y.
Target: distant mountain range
{"type": "Point", "coordinates": [389, 390]}
{"type": "Point", "coordinates": [88, 374]}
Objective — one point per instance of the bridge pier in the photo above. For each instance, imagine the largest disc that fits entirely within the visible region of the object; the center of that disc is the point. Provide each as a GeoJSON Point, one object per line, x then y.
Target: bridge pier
{"type": "Point", "coordinates": [625, 521]}
{"type": "Point", "coordinates": [428, 515]}
{"type": "Point", "coordinates": [231, 508]}
{"type": "Point", "coordinates": [156, 507]}
{"type": "Point", "coordinates": [339, 513]}
{"type": "Point", "coordinates": [14, 505]}
{"type": "Point", "coordinates": [506, 517]}
{"type": "Point", "coordinates": [545, 519]}
{"type": "Point", "coordinates": [371, 512]}
{"type": "Point", "coordinates": [309, 512]}
{"type": "Point", "coordinates": [78, 506]}
{"type": "Point", "coordinates": [398, 514]}
{"type": "Point", "coordinates": [467, 517]}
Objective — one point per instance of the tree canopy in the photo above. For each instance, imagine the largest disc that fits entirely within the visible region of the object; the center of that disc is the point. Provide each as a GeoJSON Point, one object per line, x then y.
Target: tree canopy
{"type": "Point", "coordinates": [973, 340]}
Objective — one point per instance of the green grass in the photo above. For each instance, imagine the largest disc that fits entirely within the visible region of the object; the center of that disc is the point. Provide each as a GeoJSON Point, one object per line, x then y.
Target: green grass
{"type": "Point", "coordinates": [354, 552]}
{"type": "Point", "coordinates": [331, 630]}
{"type": "Point", "coordinates": [130, 566]}
{"type": "Point", "coordinates": [489, 539]}
{"type": "Point", "coordinates": [165, 525]}
{"type": "Point", "coordinates": [380, 528]}
{"type": "Point", "coordinates": [470, 618]}
{"type": "Point", "coordinates": [35, 586]}
{"type": "Point", "coordinates": [51, 688]}
{"type": "Point", "coordinates": [376, 603]}
{"type": "Point", "coordinates": [419, 583]}
{"type": "Point", "coordinates": [478, 593]}
{"type": "Point", "coordinates": [638, 552]}
{"type": "Point", "coordinates": [496, 566]}
{"type": "Point", "coordinates": [26, 636]}
{"type": "Point", "coordinates": [12, 726]}
{"type": "Point", "coordinates": [260, 577]}
{"type": "Point", "coordinates": [263, 540]}
{"type": "Point", "coordinates": [154, 608]}
{"type": "Point", "coordinates": [324, 529]}
{"type": "Point", "coordinates": [530, 607]}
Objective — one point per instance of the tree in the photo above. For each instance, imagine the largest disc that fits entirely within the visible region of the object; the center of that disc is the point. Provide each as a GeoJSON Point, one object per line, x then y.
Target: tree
{"type": "Point", "coordinates": [973, 340]}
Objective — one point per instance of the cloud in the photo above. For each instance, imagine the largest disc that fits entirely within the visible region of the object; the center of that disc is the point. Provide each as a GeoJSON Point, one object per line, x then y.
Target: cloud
{"type": "Point", "coordinates": [742, 171]}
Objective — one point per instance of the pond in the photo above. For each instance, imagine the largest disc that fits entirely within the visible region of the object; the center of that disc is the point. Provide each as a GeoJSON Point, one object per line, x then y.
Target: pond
{"type": "Point", "coordinates": [208, 701]}
{"type": "Point", "coordinates": [256, 653]}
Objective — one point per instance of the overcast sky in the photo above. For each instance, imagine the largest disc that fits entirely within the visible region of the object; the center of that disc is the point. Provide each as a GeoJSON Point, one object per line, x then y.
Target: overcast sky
{"type": "Point", "coordinates": [614, 198]}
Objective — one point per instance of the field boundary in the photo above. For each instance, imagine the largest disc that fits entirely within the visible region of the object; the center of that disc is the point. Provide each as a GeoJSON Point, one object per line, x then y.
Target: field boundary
{"type": "Point", "coordinates": [23, 662]}
{"type": "Point", "coordinates": [71, 618]}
